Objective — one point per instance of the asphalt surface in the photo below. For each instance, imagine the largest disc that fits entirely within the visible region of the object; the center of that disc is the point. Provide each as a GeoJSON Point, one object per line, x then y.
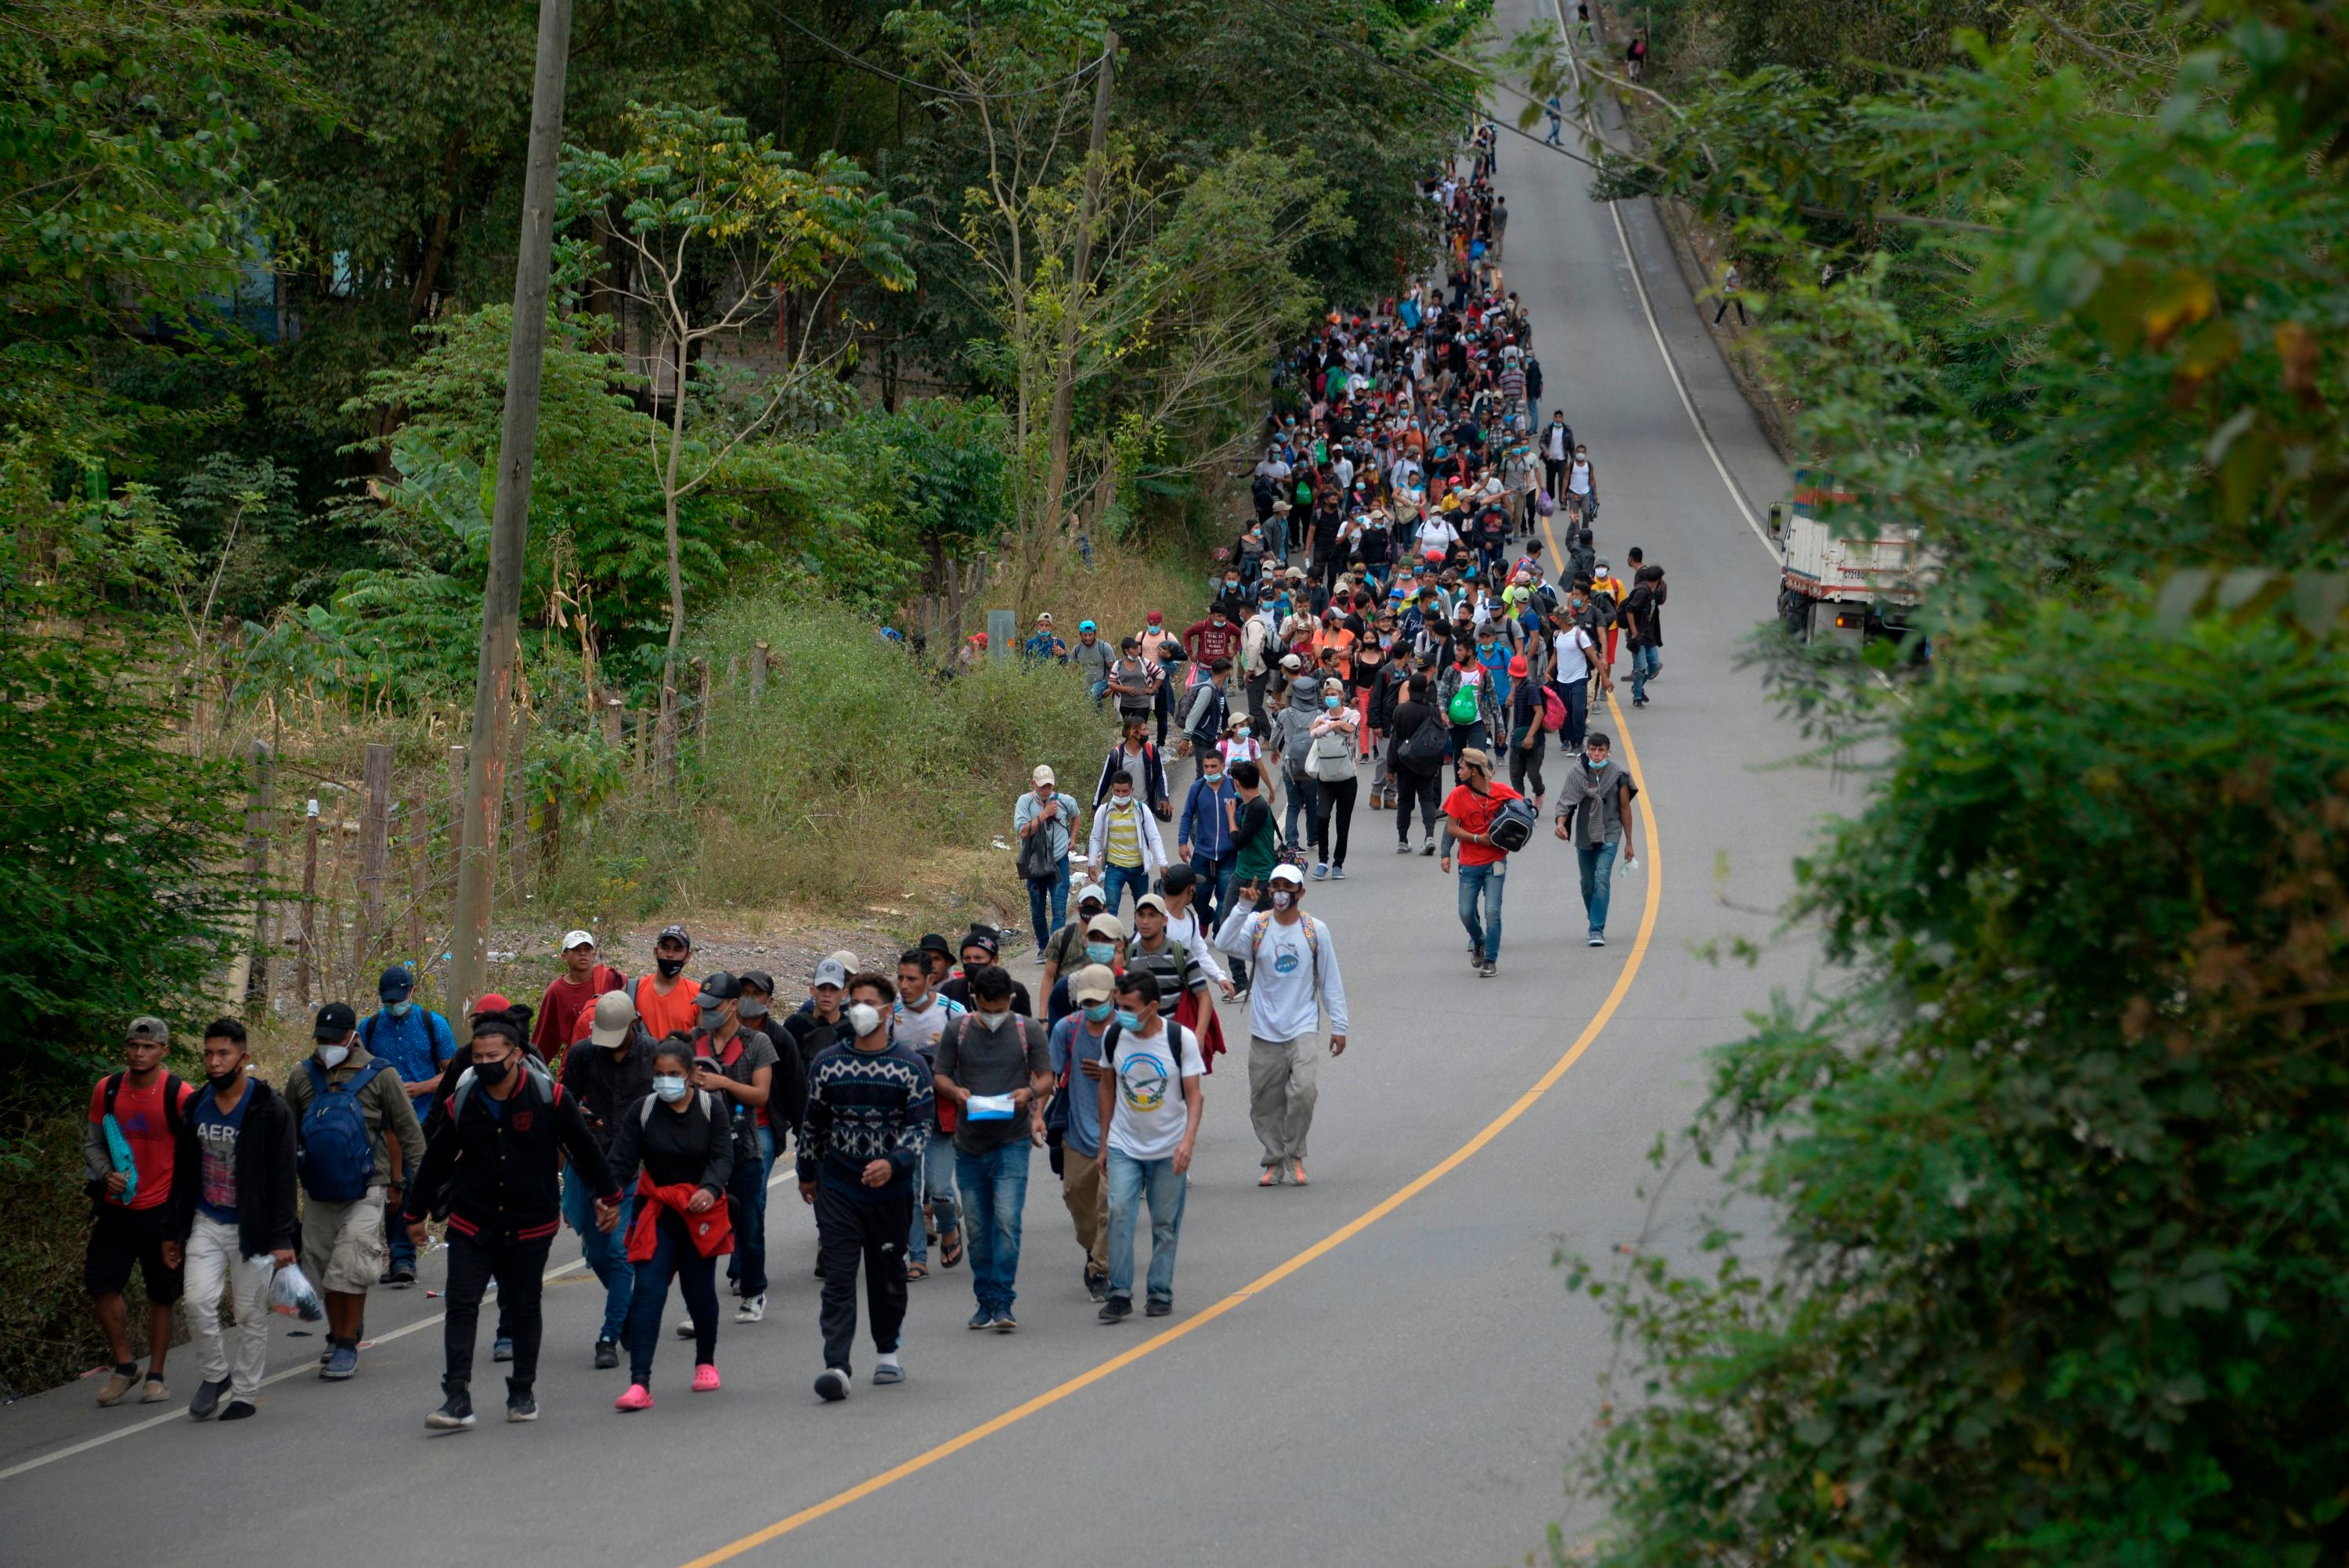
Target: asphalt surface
{"type": "Point", "coordinates": [1407, 1394]}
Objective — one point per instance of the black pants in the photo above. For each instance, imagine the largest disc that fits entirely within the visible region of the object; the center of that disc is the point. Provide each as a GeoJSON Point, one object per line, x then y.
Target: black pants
{"type": "Point", "coordinates": [518, 1265]}
{"type": "Point", "coordinates": [1526, 763]}
{"type": "Point", "coordinates": [1164, 703]}
{"type": "Point", "coordinates": [1335, 801]}
{"type": "Point", "coordinates": [1726, 302]}
{"type": "Point", "coordinates": [1419, 787]}
{"type": "Point", "coordinates": [871, 1231]}
{"type": "Point", "coordinates": [1259, 726]}
{"type": "Point", "coordinates": [1554, 475]}
{"type": "Point", "coordinates": [1326, 570]}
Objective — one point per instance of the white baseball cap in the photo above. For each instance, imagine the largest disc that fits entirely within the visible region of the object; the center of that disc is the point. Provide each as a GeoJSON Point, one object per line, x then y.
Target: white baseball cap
{"type": "Point", "coordinates": [1285, 873]}
{"type": "Point", "coordinates": [572, 939]}
{"type": "Point", "coordinates": [1043, 775]}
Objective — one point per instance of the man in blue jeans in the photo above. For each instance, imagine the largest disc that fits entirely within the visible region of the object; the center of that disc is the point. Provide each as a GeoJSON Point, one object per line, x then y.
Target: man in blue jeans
{"type": "Point", "coordinates": [1598, 799]}
{"type": "Point", "coordinates": [1127, 850]}
{"type": "Point", "coordinates": [997, 1067]}
{"type": "Point", "coordinates": [606, 1073]}
{"type": "Point", "coordinates": [417, 1043]}
{"type": "Point", "coordinates": [1203, 835]}
{"type": "Point", "coordinates": [1150, 1109]}
{"type": "Point", "coordinates": [1469, 814]}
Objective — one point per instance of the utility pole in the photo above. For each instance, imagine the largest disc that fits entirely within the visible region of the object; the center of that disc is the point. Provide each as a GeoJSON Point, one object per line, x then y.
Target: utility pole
{"type": "Point", "coordinates": [493, 689]}
{"type": "Point", "coordinates": [1064, 378]}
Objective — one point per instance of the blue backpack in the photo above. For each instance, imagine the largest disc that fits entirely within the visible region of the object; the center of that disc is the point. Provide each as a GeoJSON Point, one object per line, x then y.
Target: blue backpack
{"type": "Point", "coordinates": [337, 1157]}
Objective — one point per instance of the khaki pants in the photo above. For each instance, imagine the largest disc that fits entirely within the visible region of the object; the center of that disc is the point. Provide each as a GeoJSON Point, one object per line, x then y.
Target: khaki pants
{"type": "Point", "coordinates": [1087, 1196]}
{"type": "Point", "coordinates": [342, 1244]}
{"type": "Point", "coordinates": [1281, 1092]}
{"type": "Point", "coordinates": [216, 1264]}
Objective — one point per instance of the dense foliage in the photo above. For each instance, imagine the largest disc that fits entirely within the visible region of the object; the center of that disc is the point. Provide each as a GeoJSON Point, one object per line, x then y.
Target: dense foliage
{"type": "Point", "coordinates": [2061, 1266]}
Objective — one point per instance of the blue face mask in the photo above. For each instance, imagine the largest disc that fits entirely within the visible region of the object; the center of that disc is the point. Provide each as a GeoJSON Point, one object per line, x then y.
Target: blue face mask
{"type": "Point", "coordinates": [398, 1009]}
{"type": "Point", "coordinates": [1126, 1020]}
{"type": "Point", "coordinates": [1594, 763]}
{"type": "Point", "coordinates": [670, 1089]}
{"type": "Point", "coordinates": [1100, 952]}
{"type": "Point", "coordinates": [1330, 703]}
{"type": "Point", "coordinates": [1098, 1012]}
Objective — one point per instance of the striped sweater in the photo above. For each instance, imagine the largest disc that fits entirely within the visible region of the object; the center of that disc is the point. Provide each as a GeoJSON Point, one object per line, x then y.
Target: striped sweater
{"type": "Point", "coordinates": [863, 1106]}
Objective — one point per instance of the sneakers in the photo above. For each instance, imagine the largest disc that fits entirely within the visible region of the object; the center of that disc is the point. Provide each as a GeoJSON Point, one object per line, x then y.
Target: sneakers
{"type": "Point", "coordinates": [685, 1328]}
{"type": "Point", "coordinates": [401, 1276]}
{"type": "Point", "coordinates": [1158, 1306]}
{"type": "Point", "coordinates": [1004, 1322]}
{"type": "Point", "coordinates": [983, 1319]}
{"type": "Point", "coordinates": [1477, 959]}
{"type": "Point", "coordinates": [521, 1403]}
{"type": "Point", "coordinates": [455, 1414]}
{"type": "Point", "coordinates": [1116, 1309]}
{"type": "Point", "coordinates": [207, 1400]}
{"type": "Point", "coordinates": [157, 1391]}
{"type": "Point", "coordinates": [238, 1410]}
{"type": "Point", "coordinates": [1271, 1177]}
{"type": "Point", "coordinates": [118, 1382]}
{"type": "Point", "coordinates": [1598, 939]}
{"type": "Point", "coordinates": [1297, 1172]}
{"type": "Point", "coordinates": [1485, 970]}
{"type": "Point", "coordinates": [705, 1378]}
{"type": "Point", "coordinates": [1428, 849]}
{"type": "Point", "coordinates": [752, 1310]}
{"type": "Point", "coordinates": [503, 1350]}
{"type": "Point", "coordinates": [887, 1370]}
{"type": "Point", "coordinates": [343, 1362]}
{"type": "Point", "coordinates": [1096, 1285]}
{"type": "Point", "coordinates": [1339, 872]}
{"type": "Point", "coordinates": [832, 1385]}
{"type": "Point", "coordinates": [1321, 871]}
{"type": "Point", "coordinates": [607, 1354]}
{"type": "Point", "coordinates": [637, 1397]}
{"type": "Point", "coordinates": [1403, 848]}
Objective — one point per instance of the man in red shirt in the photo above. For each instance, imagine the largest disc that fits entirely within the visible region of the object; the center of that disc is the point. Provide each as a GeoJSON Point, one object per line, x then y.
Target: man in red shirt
{"type": "Point", "coordinates": [1468, 813]}
{"type": "Point", "coordinates": [562, 1011]}
{"type": "Point", "coordinates": [1216, 637]}
{"type": "Point", "coordinates": [135, 1116]}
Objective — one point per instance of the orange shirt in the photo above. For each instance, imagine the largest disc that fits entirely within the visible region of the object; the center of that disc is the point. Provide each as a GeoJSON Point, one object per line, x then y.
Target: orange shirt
{"type": "Point", "coordinates": [672, 1014]}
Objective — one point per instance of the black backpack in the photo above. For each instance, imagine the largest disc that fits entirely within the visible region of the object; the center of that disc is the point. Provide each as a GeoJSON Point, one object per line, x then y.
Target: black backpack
{"type": "Point", "coordinates": [1512, 825]}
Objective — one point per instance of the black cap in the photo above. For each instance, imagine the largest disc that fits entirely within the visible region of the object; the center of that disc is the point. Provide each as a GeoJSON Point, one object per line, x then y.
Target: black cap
{"type": "Point", "coordinates": [395, 984]}
{"type": "Point", "coordinates": [669, 932]}
{"type": "Point", "coordinates": [1177, 879]}
{"type": "Point", "coordinates": [932, 942]}
{"type": "Point", "coordinates": [759, 979]}
{"type": "Point", "coordinates": [983, 936]}
{"type": "Point", "coordinates": [336, 1022]}
{"type": "Point", "coordinates": [720, 986]}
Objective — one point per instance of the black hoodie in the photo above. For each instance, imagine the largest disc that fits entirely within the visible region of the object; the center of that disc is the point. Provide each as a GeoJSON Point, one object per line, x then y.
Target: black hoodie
{"type": "Point", "coordinates": [265, 1217]}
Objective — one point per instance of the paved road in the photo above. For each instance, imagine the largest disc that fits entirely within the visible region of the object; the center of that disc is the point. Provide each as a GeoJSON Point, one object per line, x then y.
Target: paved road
{"type": "Point", "coordinates": [1404, 1395]}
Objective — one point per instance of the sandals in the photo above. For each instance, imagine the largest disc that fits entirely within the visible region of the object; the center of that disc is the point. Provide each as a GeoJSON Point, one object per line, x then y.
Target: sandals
{"type": "Point", "coordinates": [950, 1246]}
{"type": "Point", "coordinates": [917, 1270]}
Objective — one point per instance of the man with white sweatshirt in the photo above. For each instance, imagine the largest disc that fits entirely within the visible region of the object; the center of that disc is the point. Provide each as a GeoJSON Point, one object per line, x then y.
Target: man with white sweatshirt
{"type": "Point", "coordinates": [1295, 982]}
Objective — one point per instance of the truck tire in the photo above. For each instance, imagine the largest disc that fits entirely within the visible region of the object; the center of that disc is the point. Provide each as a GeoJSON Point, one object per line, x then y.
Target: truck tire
{"type": "Point", "coordinates": [1796, 610]}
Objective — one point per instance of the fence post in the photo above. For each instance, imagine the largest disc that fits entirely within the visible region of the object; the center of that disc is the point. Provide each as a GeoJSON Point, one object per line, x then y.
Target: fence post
{"type": "Point", "coordinates": [374, 855]}
{"type": "Point", "coordinates": [310, 953]}
{"type": "Point", "coordinates": [701, 712]}
{"type": "Point", "coordinates": [758, 671]}
{"type": "Point", "coordinates": [640, 738]}
{"type": "Point", "coordinates": [665, 737]}
{"type": "Point", "coordinates": [733, 671]}
{"type": "Point", "coordinates": [416, 836]}
{"type": "Point", "coordinates": [258, 800]}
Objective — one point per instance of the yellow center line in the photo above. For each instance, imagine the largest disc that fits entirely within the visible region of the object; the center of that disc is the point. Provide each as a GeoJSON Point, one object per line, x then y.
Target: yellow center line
{"type": "Point", "coordinates": [1335, 1239]}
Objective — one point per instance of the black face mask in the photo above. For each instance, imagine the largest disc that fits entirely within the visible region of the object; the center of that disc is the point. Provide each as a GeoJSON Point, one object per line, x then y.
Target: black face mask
{"type": "Point", "coordinates": [492, 1073]}
{"type": "Point", "coordinates": [670, 968]}
{"type": "Point", "coordinates": [221, 1082]}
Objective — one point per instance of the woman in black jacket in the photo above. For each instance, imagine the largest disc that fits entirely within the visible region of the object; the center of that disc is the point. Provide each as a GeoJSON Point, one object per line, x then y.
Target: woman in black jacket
{"type": "Point", "coordinates": [674, 1148]}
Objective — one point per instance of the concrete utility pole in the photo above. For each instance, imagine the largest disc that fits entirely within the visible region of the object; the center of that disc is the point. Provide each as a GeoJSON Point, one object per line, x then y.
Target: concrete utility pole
{"type": "Point", "coordinates": [1064, 379]}
{"type": "Point", "coordinates": [494, 690]}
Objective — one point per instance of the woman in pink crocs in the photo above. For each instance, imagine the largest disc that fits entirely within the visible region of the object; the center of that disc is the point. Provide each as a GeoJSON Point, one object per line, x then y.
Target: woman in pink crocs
{"type": "Point", "coordinates": [676, 1146]}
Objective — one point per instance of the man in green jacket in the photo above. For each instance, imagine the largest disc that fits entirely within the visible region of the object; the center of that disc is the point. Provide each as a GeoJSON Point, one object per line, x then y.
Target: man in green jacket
{"type": "Point", "coordinates": [1256, 848]}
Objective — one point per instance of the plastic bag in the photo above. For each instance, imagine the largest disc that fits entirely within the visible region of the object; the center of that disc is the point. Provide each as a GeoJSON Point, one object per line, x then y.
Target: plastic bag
{"type": "Point", "coordinates": [291, 1293]}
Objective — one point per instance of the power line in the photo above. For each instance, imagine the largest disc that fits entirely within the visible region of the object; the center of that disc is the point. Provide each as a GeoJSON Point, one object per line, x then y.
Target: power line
{"type": "Point", "coordinates": [964, 94]}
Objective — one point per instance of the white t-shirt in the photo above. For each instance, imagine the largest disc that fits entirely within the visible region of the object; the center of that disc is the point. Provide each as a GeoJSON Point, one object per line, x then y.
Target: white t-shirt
{"type": "Point", "coordinates": [1577, 478]}
{"type": "Point", "coordinates": [1146, 1110]}
{"type": "Point", "coordinates": [1573, 647]}
{"type": "Point", "coordinates": [1434, 533]}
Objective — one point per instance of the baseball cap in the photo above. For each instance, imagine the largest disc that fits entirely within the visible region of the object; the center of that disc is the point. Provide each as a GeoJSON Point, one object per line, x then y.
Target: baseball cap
{"type": "Point", "coordinates": [672, 932]}
{"type": "Point", "coordinates": [492, 1003]}
{"type": "Point", "coordinates": [1087, 626]}
{"type": "Point", "coordinates": [1043, 617]}
{"type": "Point", "coordinates": [336, 1022]}
{"type": "Point", "coordinates": [1293, 662]}
{"type": "Point", "coordinates": [146, 1028]}
{"type": "Point", "coordinates": [572, 939]}
{"type": "Point", "coordinates": [758, 980]}
{"type": "Point", "coordinates": [1043, 775]}
{"type": "Point", "coordinates": [1093, 983]}
{"type": "Point", "coordinates": [613, 1014]}
{"type": "Point", "coordinates": [719, 987]}
{"type": "Point", "coordinates": [1089, 890]}
{"type": "Point", "coordinates": [983, 936]}
{"type": "Point", "coordinates": [1473, 758]}
{"type": "Point", "coordinates": [1106, 927]}
{"type": "Point", "coordinates": [832, 972]}
{"type": "Point", "coordinates": [845, 959]}
{"type": "Point", "coordinates": [1152, 901]}
{"type": "Point", "coordinates": [1154, 617]}
{"type": "Point", "coordinates": [1285, 873]}
{"type": "Point", "coordinates": [1178, 879]}
{"type": "Point", "coordinates": [395, 984]}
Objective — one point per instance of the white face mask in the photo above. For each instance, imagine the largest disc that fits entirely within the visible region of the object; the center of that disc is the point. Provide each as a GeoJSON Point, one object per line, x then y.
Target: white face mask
{"type": "Point", "coordinates": [332, 1057]}
{"type": "Point", "coordinates": [865, 1019]}
{"type": "Point", "coordinates": [1283, 899]}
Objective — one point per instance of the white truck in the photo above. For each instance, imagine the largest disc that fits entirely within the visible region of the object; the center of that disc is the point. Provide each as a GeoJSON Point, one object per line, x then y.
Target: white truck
{"type": "Point", "coordinates": [1834, 583]}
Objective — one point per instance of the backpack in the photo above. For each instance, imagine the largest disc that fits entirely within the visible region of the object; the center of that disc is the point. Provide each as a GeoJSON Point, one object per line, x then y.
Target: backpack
{"type": "Point", "coordinates": [1117, 1031]}
{"type": "Point", "coordinates": [336, 1158]}
{"type": "Point", "coordinates": [1422, 749]}
{"type": "Point", "coordinates": [1553, 710]}
{"type": "Point", "coordinates": [645, 1114]}
{"type": "Point", "coordinates": [1328, 765]}
{"type": "Point", "coordinates": [1462, 706]}
{"type": "Point", "coordinates": [1263, 923]}
{"type": "Point", "coordinates": [1265, 492]}
{"type": "Point", "coordinates": [532, 1068]}
{"type": "Point", "coordinates": [440, 1042]}
{"type": "Point", "coordinates": [1512, 825]}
